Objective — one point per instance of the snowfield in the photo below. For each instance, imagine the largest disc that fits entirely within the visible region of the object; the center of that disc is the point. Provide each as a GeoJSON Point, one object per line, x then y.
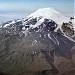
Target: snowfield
{"type": "Point", "coordinates": [50, 13]}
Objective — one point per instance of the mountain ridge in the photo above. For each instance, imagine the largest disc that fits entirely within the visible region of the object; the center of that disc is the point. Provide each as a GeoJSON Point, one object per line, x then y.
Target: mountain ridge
{"type": "Point", "coordinates": [33, 46]}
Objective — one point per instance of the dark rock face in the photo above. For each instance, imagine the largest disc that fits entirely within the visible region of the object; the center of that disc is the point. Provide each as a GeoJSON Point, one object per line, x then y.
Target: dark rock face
{"type": "Point", "coordinates": [68, 29]}
{"type": "Point", "coordinates": [41, 52]}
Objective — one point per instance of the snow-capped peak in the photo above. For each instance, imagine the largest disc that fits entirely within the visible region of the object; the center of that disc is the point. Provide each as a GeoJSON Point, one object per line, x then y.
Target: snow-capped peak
{"type": "Point", "coordinates": [50, 13]}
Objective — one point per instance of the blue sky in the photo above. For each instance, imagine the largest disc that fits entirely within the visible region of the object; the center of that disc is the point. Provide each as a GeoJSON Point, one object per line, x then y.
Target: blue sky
{"type": "Point", "coordinates": [25, 7]}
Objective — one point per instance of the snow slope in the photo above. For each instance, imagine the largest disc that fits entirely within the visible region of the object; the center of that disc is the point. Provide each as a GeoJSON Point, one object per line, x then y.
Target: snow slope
{"type": "Point", "coordinates": [50, 13]}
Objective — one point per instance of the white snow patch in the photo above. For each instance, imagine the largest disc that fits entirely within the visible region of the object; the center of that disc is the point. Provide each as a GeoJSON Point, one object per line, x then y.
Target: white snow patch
{"type": "Point", "coordinates": [73, 22]}
{"type": "Point", "coordinates": [0, 26]}
{"type": "Point", "coordinates": [6, 25]}
{"type": "Point", "coordinates": [23, 28]}
{"type": "Point", "coordinates": [38, 23]}
{"type": "Point", "coordinates": [13, 22]}
{"type": "Point", "coordinates": [40, 35]}
{"type": "Point", "coordinates": [49, 36]}
{"type": "Point", "coordinates": [57, 42]}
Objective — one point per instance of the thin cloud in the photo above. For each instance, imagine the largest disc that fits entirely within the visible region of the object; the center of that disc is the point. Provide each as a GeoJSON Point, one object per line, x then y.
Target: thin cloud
{"type": "Point", "coordinates": [13, 7]}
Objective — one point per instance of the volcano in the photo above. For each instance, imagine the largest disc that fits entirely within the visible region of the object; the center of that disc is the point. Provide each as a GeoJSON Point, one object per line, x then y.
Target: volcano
{"type": "Point", "coordinates": [41, 44]}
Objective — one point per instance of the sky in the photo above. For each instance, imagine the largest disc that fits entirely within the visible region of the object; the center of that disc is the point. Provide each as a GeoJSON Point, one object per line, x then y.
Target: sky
{"type": "Point", "coordinates": [11, 9]}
